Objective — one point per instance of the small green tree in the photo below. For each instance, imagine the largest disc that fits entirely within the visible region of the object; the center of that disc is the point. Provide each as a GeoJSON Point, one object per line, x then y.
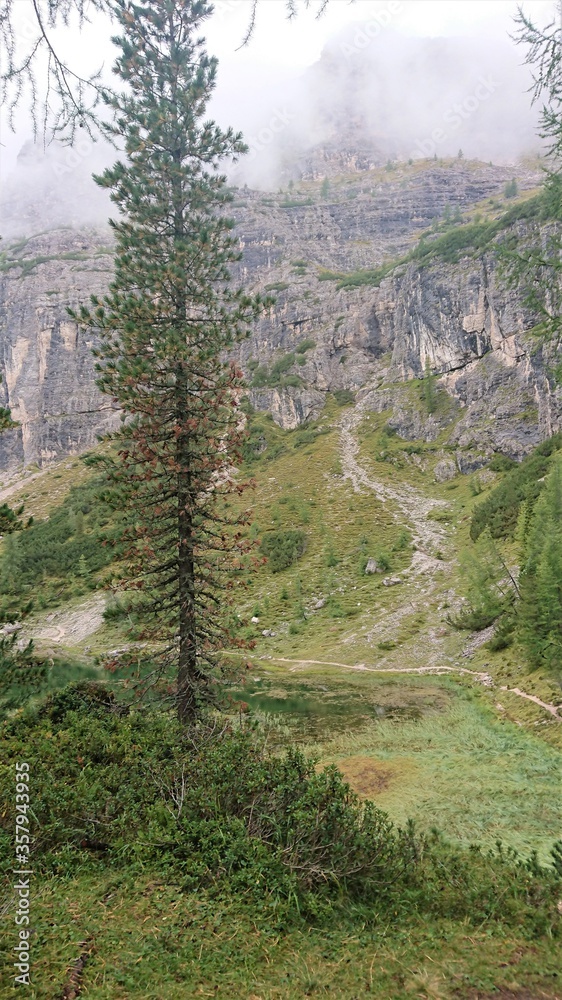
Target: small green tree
{"type": "Point", "coordinates": [325, 188]}
{"type": "Point", "coordinates": [511, 189]}
{"type": "Point", "coordinates": [429, 390]}
{"type": "Point", "coordinates": [490, 587]}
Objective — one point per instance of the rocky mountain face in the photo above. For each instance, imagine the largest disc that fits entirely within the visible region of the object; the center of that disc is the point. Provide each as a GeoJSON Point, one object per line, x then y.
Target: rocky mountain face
{"type": "Point", "coordinates": [372, 340]}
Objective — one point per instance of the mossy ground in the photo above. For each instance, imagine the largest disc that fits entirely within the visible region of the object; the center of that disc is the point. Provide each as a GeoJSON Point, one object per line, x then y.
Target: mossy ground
{"type": "Point", "coordinates": [151, 941]}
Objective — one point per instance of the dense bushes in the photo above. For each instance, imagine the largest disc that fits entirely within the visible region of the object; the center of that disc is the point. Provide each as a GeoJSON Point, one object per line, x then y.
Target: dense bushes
{"type": "Point", "coordinates": [276, 376]}
{"type": "Point", "coordinates": [500, 510]}
{"type": "Point", "coordinates": [211, 803]}
{"type": "Point", "coordinates": [69, 543]}
{"type": "Point", "coordinates": [283, 548]}
{"type": "Point", "coordinates": [210, 807]}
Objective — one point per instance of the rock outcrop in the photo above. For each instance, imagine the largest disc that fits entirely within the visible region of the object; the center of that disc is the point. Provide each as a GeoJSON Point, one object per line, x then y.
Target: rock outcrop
{"type": "Point", "coordinates": [371, 340]}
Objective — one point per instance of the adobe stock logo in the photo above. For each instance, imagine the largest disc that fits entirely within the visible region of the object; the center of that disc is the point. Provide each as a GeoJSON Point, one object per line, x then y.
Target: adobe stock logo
{"type": "Point", "coordinates": [454, 116]}
{"type": "Point", "coordinates": [367, 32]}
{"type": "Point", "coordinates": [276, 124]}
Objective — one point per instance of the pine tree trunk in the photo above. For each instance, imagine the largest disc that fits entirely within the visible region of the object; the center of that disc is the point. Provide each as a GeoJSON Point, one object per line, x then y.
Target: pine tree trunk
{"type": "Point", "coordinates": [187, 661]}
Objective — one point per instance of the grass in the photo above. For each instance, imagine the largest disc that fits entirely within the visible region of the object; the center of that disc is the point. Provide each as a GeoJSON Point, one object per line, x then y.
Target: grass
{"type": "Point", "coordinates": [152, 941]}
{"type": "Point", "coordinates": [436, 752]}
{"type": "Point", "coordinates": [425, 748]}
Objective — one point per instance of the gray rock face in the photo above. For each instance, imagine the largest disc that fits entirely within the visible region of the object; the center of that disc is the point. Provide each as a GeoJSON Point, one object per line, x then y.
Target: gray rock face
{"type": "Point", "coordinates": [458, 317]}
{"type": "Point", "coordinates": [48, 377]}
{"type": "Point", "coordinates": [445, 470]}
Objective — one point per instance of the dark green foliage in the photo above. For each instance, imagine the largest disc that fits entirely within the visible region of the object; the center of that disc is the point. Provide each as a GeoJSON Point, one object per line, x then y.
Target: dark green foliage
{"type": "Point", "coordinates": [539, 618]}
{"type": "Point", "coordinates": [165, 327]}
{"type": "Point", "coordinates": [511, 190]}
{"type": "Point", "coordinates": [277, 286]}
{"type": "Point", "coordinates": [22, 674]}
{"type": "Point", "coordinates": [343, 397]}
{"type": "Point", "coordinates": [501, 463]}
{"type": "Point", "coordinates": [10, 520]}
{"type": "Point", "coordinates": [25, 674]}
{"type": "Point", "coordinates": [276, 376]}
{"type": "Point", "coordinates": [490, 589]}
{"type": "Point", "coordinates": [500, 510]}
{"type": "Point", "coordinates": [264, 440]}
{"type": "Point", "coordinates": [291, 381]}
{"type": "Point", "coordinates": [211, 806]}
{"type": "Point", "coordinates": [504, 633]}
{"type": "Point", "coordinates": [305, 345]}
{"type": "Point", "coordinates": [83, 528]}
{"type": "Point", "coordinates": [212, 809]}
{"type": "Point", "coordinates": [356, 279]}
{"type": "Point", "coordinates": [283, 548]}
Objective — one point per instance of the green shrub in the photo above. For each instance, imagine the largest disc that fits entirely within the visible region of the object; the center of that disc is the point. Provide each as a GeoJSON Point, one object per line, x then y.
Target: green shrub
{"type": "Point", "coordinates": [283, 548]}
{"type": "Point", "coordinates": [343, 397]}
{"type": "Point", "coordinates": [290, 381]}
{"type": "Point", "coordinates": [80, 536]}
{"type": "Point", "coordinates": [501, 463]}
{"type": "Point", "coordinates": [211, 808]}
{"type": "Point", "coordinates": [304, 346]}
{"type": "Point", "coordinates": [304, 437]}
{"type": "Point", "coordinates": [500, 510]}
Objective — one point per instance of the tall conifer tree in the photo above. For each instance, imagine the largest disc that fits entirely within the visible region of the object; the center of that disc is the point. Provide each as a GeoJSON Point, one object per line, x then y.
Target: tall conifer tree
{"type": "Point", "coordinates": [170, 314]}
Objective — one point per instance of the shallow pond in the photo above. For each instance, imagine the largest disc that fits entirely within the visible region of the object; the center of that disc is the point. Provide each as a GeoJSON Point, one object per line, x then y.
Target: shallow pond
{"type": "Point", "coordinates": [305, 711]}
{"type": "Point", "coordinates": [423, 748]}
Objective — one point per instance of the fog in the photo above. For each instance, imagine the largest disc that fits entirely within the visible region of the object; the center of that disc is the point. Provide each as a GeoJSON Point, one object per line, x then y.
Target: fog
{"type": "Point", "coordinates": [375, 91]}
{"type": "Point", "coordinates": [392, 96]}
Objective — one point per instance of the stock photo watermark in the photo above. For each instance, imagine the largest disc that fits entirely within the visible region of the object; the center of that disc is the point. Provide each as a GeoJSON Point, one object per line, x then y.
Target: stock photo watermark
{"type": "Point", "coordinates": [276, 124]}
{"type": "Point", "coordinates": [454, 117]}
{"type": "Point", "coordinates": [367, 32]}
{"type": "Point", "coordinates": [22, 876]}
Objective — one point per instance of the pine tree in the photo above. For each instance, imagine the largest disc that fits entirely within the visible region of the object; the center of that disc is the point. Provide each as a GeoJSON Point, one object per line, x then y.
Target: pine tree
{"type": "Point", "coordinates": [168, 318]}
{"type": "Point", "coordinates": [540, 607]}
{"type": "Point", "coordinates": [429, 391]}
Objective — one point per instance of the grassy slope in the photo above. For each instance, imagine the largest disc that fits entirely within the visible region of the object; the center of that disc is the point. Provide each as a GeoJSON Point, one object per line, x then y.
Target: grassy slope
{"type": "Point", "coordinates": [154, 942]}
{"type": "Point", "coordinates": [464, 765]}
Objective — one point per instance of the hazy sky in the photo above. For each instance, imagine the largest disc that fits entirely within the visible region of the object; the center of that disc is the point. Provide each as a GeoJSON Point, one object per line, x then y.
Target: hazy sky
{"type": "Point", "coordinates": [298, 43]}
{"type": "Point", "coordinates": [263, 77]}
{"type": "Point", "coordinates": [281, 47]}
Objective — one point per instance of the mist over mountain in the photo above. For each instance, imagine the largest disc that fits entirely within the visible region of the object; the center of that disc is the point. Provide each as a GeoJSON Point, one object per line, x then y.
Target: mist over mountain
{"type": "Point", "coordinates": [372, 96]}
{"type": "Point", "coordinates": [394, 96]}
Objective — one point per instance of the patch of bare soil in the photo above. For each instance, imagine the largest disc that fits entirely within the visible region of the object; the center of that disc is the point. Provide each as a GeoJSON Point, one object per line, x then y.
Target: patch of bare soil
{"type": "Point", "coordinates": [70, 627]}
{"type": "Point", "coordinates": [367, 776]}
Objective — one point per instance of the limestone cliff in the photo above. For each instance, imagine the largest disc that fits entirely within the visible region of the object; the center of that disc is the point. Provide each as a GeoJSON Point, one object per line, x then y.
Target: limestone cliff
{"type": "Point", "coordinates": [367, 339]}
